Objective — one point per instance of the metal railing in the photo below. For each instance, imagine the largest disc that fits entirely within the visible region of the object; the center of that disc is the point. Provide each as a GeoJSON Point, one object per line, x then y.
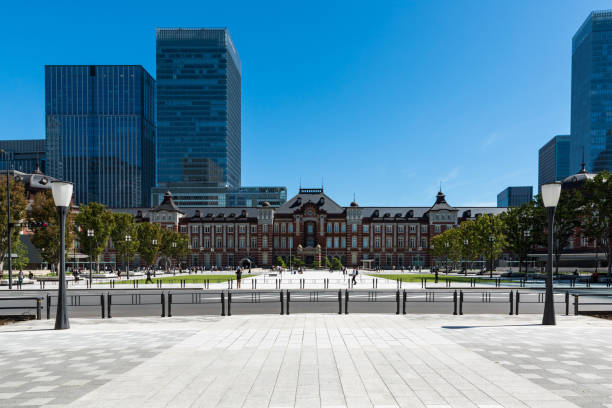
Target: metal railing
{"type": "Point", "coordinates": [76, 300]}
{"type": "Point", "coordinates": [135, 299]}
{"type": "Point", "coordinates": [37, 304]}
{"type": "Point", "coordinates": [263, 296]}
{"type": "Point", "coordinates": [578, 302]}
{"type": "Point", "coordinates": [368, 296]}
{"type": "Point", "coordinates": [196, 298]}
{"type": "Point", "coordinates": [317, 296]}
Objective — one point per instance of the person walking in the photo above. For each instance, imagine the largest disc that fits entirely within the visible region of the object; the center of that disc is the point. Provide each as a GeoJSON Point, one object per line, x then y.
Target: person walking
{"type": "Point", "coordinates": [20, 279]}
{"type": "Point", "coordinates": [354, 280]}
{"type": "Point", "coordinates": [238, 277]}
{"type": "Point", "coordinates": [149, 276]}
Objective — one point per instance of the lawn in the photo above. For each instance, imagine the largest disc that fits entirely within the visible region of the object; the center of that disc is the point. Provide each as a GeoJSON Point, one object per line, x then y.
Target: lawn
{"type": "Point", "coordinates": [187, 278]}
{"type": "Point", "coordinates": [409, 277]}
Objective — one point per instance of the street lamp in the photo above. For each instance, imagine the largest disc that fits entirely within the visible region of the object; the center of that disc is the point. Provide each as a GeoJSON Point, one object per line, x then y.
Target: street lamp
{"type": "Point", "coordinates": [128, 238]}
{"type": "Point", "coordinates": [526, 234]}
{"type": "Point", "coordinates": [466, 243]}
{"type": "Point", "coordinates": [90, 235]}
{"type": "Point", "coordinates": [173, 246]}
{"type": "Point", "coordinates": [154, 242]}
{"type": "Point", "coordinates": [62, 193]}
{"type": "Point", "coordinates": [446, 245]}
{"type": "Point", "coordinates": [550, 197]}
{"type": "Point", "coordinates": [8, 220]}
{"type": "Point", "coordinates": [491, 241]}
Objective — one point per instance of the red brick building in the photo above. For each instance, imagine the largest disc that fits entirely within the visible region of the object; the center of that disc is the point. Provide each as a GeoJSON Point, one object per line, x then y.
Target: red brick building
{"type": "Point", "coordinates": [311, 226]}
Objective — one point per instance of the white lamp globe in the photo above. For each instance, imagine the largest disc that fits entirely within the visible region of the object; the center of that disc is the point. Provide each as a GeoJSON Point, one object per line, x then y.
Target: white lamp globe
{"type": "Point", "coordinates": [551, 193]}
{"type": "Point", "coordinates": [62, 193]}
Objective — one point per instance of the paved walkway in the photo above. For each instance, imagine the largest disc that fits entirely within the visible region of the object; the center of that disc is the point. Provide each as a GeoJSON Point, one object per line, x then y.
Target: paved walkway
{"type": "Point", "coordinates": [309, 360]}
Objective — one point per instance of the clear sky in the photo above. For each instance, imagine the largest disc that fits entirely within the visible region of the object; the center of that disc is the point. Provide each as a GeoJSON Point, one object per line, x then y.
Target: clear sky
{"type": "Point", "coordinates": [381, 99]}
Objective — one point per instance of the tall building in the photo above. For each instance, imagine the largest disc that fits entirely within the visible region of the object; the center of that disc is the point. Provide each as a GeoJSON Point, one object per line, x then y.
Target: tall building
{"type": "Point", "coordinates": [198, 108]}
{"type": "Point", "coordinates": [100, 130]}
{"type": "Point", "coordinates": [553, 160]}
{"type": "Point", "coordinates": [515, 196]}
{"type": "Point", "coordinates": [26, 156]}
{"type": "Point", "coordinates": [591, 115]}
{"type": "Point", "coordinates": [189, 197]}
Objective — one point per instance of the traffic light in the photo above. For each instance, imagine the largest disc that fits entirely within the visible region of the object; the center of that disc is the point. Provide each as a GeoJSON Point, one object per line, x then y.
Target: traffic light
{"type": "Point", "coordinates": [37, 224]}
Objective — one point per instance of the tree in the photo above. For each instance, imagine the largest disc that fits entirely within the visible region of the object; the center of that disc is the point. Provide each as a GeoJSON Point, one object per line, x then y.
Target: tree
{"type": "Point", "coordinates": [596, 213]}
{"type": "Point", "coordinates": [315, 264]}
{"type": "Point", "coordinates": [174, 244]}
{"type": "Point", "coordinates": [490, 239]}
{"type": "Point", "coordinates": [22, 260]}
{"type": "Point", "coordinates": [149, 241]}
{"type": "Point", "coordinates": [448, 245]}
{"type": "Point", "coordinates": [468, 232]}
{"type": "Point", "coordinates": [280, 262]}
{"type": "Point", "coordinates": [567, 218]}
{"type": "Point", "coordinates": [18, 212]}
{"type": "Point", "coordinates": [327, 262]}
{"type": "Point", "coordinates": [93, 217]}
{"type": "Point", "coordinates": [45, 238]}
{"type": "Point", "coordinates": [125, 237]}
{"type": "Point", "coordinates": [336, 265]}
{"type": "Point", "coordinates": [518, 223]}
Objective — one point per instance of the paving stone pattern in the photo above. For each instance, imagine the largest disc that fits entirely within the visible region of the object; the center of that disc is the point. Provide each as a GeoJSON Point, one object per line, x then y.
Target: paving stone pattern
{"type": "Point", "coordinates": [308, 360]}
{"type": "Point", "coordinates": [49, 368]}
{"type": "Point", "coordinates": [576, 365]}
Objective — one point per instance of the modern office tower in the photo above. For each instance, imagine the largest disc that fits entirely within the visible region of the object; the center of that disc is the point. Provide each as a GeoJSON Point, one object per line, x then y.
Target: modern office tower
{"type": "Point", "coordinates": [26, 156]}
{"type": "Point", "coordinates": [591, 116]}
{"type": "Point", "coordinates": [198, 108]}
{"type": "Point", "coordinates": [190, 197]}
{"type": "Point", "coordinates": [100, 125]}
{"type": "Point", "coordinates": [515, 196]}
{"type": "Point", "coordinates": [553, 160]}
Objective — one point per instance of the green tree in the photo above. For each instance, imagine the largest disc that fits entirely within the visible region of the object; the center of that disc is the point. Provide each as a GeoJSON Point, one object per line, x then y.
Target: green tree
{"type": "Point", "coordinates": [149, 241]}
{"type": "Point", "coordinates": [336, 265]}
{"type": "Point", "coordinates": [22, 260]}
{"type": "Point", "coordinates": [490, 239]}
{"type": "Point", "coordinates": [125, 237]}
{"type": "Point", "coordinates": [518, 223]}
{"type": "Point", "coordinates": [596, 213]}
{"type": "Point", "coordinates": [280, 262]}
{"type": "Point", "coordinates": [18, 212]}
{"type": "Point", "coordinates": [45, 238]}
{"type": "Point", "coordinates": [96, 218]}
{"type": "Point", "coordinates": [327, 262]}
{"type": "Point", "coordinates": [174, 244]}
{"type": "Point", "coordinates": [315, 264]}
{"type": "Point", "coordinates": [567, 218]}
{"type": "Point", "coordinates": [469, 238]}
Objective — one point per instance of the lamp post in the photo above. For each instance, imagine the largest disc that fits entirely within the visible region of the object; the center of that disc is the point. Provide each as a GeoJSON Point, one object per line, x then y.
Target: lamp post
{"type": "Point", "coordinates": [550, 197]}
{"type": "Point", "coordinates": [526, 234]}
{"type": "Point", "coordinates": [173, 246]}
{"type": "Point", "coordinates": [465, 243]}
{"type": "Point", "coordinates": [90, 235]}
{"type": "Point", "coordinates": [446, 245]}
{"type": "Point", "coordinates": [8, 221]}
{"type": "Point", "coordinates": [491, 241]}
{"type": "Point", "coordinates": [154, 242]}
{"type": "Point", "coordinates": [128, 238]}
{"type": "Point", "coordinates": [62, 193]}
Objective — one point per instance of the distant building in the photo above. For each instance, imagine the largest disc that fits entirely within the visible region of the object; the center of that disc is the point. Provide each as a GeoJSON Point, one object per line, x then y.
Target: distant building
{"type": "Point", "coordinates": [515, 196]}
{"type": "Point", "coordinates": [195, 197]}
{"type": "Point", "coordinates": [198, 108]}
{"type": "Point", "coordinates": [25, 156]}
{"type": "Point", "coordinates": [553, 160]}
{"type": "Point", "coordinates": [100, 126]}
{"type": "Point", "coordinates": [591, 94]}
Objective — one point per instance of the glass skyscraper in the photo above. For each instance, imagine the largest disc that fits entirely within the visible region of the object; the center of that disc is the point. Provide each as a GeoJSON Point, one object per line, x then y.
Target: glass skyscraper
{"type": "Point", "coordinates": [24, 155]}
{"type": "Point", "coordinates": [591, 117]}
{"type": "Point", "coordinates": [553, 160]}
{"type": "Point", "coordinates": [198, 108]}
{"type": "Point", "coordinates": [515, 196]}
{"type": "Point", "coordinates": [100, 132]}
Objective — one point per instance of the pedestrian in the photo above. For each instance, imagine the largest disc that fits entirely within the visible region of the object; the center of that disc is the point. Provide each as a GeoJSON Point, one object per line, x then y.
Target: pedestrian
{"type": "Point", "coordinates": [354, 280]}
{"type": "Point", "coordinates": [149, 276]}
{"type": "Point", "coordinates": [238, 277]}
{"type": "Point", "coordinates": [30, 275]}
{"type": "Point", "coordinates": [20, 279]}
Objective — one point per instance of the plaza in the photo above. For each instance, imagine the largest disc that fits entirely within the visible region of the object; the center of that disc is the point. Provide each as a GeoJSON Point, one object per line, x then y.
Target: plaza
{"type": "Point", "coordinates": [309, 360]}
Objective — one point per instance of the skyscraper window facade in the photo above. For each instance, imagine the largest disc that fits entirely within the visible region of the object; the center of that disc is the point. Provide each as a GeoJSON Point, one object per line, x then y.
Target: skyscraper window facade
{"type": "Point", "coordinates": [26, 156]}
{"type": "Point", "coordinates": [591, 112]}
{"type": "Point", "coordinates": [553, 160]}
{"type": "Point", "coordinates": [100, 132]}
{"type": "Point", "coordinates": [515, 196]}
{"type": "Point", "coordinates": [198, 108]}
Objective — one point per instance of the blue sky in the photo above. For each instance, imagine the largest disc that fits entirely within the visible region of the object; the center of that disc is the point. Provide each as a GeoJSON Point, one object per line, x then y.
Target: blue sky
{"type": "Point", "coordinates": [381, 99]}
